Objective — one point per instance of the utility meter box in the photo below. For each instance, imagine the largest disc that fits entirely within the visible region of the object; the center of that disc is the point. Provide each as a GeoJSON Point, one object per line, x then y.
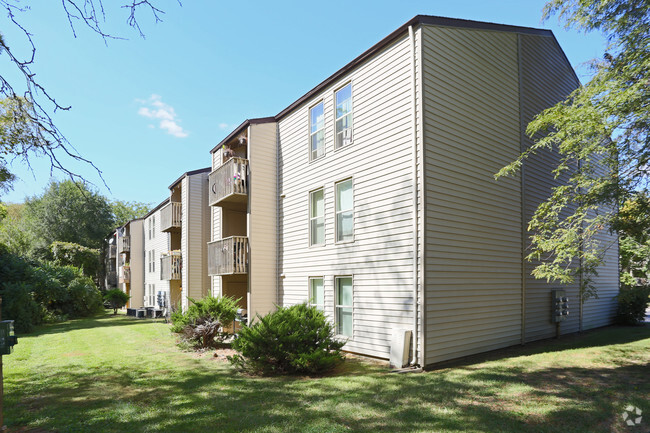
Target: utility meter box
{"type": "Point", "coordinates": [560, 305]}
{"type": "Point", "coordinates": [7, 338]}
{"type": "Point", "coordinates": [400, 347]}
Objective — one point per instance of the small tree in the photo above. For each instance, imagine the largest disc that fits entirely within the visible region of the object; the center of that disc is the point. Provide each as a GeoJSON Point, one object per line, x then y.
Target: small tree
{"type": "Point", "coordinates": [116, 298]}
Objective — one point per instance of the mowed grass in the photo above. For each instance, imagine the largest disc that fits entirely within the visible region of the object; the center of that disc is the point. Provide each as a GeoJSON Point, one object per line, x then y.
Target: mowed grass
{"type": "Point", "coordinates": [119, 374]}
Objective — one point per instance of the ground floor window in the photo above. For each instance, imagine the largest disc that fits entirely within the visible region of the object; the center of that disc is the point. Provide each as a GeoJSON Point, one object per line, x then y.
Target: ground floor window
{"type": "Point", "coordinates": [344, 305]}
{"type": "Point", "coordinates": [316, 293]}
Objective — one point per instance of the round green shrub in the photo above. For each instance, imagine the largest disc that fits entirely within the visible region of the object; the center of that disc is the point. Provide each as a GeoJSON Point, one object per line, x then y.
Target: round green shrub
{"type": "Point", "coordinates": [632, 304]}
{"type": "Point", "coordinates": [291, 340]}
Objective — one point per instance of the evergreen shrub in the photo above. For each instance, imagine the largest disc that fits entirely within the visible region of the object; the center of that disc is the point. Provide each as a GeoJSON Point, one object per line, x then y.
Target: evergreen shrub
{"type": "Point", "coordinates": [291, 340]}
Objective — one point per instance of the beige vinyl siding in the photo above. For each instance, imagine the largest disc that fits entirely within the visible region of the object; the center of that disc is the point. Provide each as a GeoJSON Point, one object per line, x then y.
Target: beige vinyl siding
{"type": "Point", "coordinates": [136, 258]}
{"type": "Point", "coordinates": [546, 78]}
{"type": "Point", "coordinates": [473, 223]}
{"type": "Point", "coordinates": [601, 311]}
{"type": "Point", "coordinates": [160, 244]}
{"type": "Point", "coordinates": [379, 161]}
{"type": "Point", "coordinates": [194, 237]}
{"type": "Point", "coordinates": [262, 218]}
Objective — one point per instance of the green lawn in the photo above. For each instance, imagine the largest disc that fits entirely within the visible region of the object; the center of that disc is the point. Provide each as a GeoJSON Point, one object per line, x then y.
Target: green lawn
{"type": "Point", "coordinates": [118, 374]}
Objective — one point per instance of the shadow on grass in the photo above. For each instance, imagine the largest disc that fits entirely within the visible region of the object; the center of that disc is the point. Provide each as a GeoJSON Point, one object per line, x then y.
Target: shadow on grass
{"type": "Point", "coordinates": [200, 396]}
{"type": "Point", "coordinates": [100, 321]}
{"type": "Point", "coordinates": [482, 400]}
{"type": "Point", "coordinates": [594, 338]}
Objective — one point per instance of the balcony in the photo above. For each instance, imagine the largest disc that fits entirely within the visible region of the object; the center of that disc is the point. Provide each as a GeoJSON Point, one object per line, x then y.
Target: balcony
{"type": "Point", "coordinates": [125, 274]}
{"type": "Point", "coordinates": [171, 217]}
{"type": "Point", "coordinates": [228, 256]}
{"type": "Point", "coordinates": [125, 244]}
{"type": "Point", "coordinates": [171, 265]}
{"type": "Point", "coordinates": [112, 251]}
{"type": "Point", "coordinates": [111, 278]}
{"type": "Point", "coordinates": [229, 183]}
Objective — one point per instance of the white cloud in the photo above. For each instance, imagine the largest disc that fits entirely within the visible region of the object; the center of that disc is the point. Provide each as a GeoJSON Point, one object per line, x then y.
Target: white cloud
{"type": "Point", "coordinates": [223, 125]}
{"type": "Point", "coordinates": [155, 108]}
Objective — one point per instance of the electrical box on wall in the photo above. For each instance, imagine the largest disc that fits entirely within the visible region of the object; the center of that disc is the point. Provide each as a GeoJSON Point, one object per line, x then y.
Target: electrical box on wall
{"type": "Point", "coordinates": [559, 305]}
{"type": "Point", "coordinates": [400, 347]}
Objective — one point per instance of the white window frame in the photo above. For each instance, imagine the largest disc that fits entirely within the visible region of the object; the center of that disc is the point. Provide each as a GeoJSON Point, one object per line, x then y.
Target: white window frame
{"type": "Point", "coordinates": [338, 306]}
{"type": "Point", "coordinates": [311, 219]}
{"type": "Point", "coordinates": [338, 211]}
{"type": "Point", "coordinates": [312, 298]}
{"type": "Point", "coordinates": [153, 230]}
{"type": "Point", "coordinates": [311, 134]}
{"type": "Point", "coordinates": [336, 119]}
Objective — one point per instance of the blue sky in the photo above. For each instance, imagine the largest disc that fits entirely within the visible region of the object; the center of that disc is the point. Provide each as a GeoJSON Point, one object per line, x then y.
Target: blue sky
{"type": "Point", "coordinates": [147, 110]}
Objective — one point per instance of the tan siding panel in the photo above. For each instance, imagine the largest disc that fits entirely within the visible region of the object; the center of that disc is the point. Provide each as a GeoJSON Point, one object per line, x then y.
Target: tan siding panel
{"type": "Point", "coordinates": [473, 228]}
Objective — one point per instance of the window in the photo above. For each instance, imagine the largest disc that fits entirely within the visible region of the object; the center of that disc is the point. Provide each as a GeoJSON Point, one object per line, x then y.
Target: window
{"type": "Point", "coordinates": [149, 228]}
{"type": "Point", "coordinates": [316, 218]}
{"type": "Point", "coordinates": [153, 226]}
{"type": "Point", "coordinates": [152, 261]}
{"type": "Point", "coordinates": [343, 99]}
{"type": "Point", "coordinates": [316, 132]}
{"type": "Point", "coordinates": [150, 299]}
{"type": "Point", "coordinates": [344, 306]}
{"type": "Point", "coordinates": [316, 293]}
{"type": "Point", "coordinates": [344, 211]}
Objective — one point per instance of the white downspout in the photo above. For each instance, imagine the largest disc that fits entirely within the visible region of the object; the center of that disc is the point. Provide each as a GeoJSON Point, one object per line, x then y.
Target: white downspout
{"type": "Point", "coordinates": [415, 199]}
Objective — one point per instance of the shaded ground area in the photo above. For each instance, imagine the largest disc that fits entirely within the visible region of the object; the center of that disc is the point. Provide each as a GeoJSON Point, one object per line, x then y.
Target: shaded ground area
{"type": "Point", "coordinates": [117, 374]}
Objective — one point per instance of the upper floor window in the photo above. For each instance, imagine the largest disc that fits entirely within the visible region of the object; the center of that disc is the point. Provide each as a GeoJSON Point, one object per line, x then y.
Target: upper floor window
{"type": "Point", "coordinates": [344, 211]}
{"type": "Point", "coordinates": [317, 293]}
{"type": "Point", "coordinates": [316, 131]}
{"type": "Point", "coordinates": [153, 226]}
{"type": "Point", "coordinates": [344, 116]}
{"type": "Point", "coordinates": [316, 218]}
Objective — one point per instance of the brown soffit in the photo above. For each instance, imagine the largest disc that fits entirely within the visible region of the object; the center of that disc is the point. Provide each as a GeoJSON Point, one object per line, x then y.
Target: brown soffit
{"type": "Point", "coordinates": [415, 21]}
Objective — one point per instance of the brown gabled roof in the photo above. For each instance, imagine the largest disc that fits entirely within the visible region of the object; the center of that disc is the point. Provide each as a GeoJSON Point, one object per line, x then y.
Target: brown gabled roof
{"type": "Point", "coordinates": [162, 203]}
{"type": "Point", "coordinates": [415, 21]}
{"type": "Point", "coordinates": [241, 129]}
{"type": "Point", "coordinates": [189, 173]}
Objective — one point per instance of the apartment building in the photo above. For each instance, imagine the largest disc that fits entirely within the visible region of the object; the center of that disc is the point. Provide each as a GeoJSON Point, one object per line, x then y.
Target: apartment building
{"type": "Point", "coordinates": [130, 272]}
{"type": "Point", "coordinates": [185, 221]}
{"type": "Point", "coordinates": [373, 196]}
{"type": "Point", "coordinates": [155, 246]}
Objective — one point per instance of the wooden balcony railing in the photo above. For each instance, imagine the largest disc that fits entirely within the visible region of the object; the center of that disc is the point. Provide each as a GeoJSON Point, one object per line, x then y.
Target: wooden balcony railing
{"type": "Point", "coordinates": [228, 256]}
{"type": "Point", "coordinates": [229, 183]}
{"type": "Point", "coordinates": [171, 265]}
{"type": "Point", "coordinates": [125, 244]}
{"type": "Point", "coordinates": [112, 251]}
{"type": "Point", "coordinates": [171, 216]}
{"type": "Point", "coordinates": [125, 274]}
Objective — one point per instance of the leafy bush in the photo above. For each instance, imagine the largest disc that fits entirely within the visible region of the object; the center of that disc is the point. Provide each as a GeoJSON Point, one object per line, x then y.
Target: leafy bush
{"type": "Point", "coordinates": [296, 339]}
{"type": "Point", "coordinates": [116, 298]}
{"type": "Point", "coordinates": [632, 304]}
{"type": "Point", "coordinates": [18, 305]}
{"type": "Point", "coordinates": [71, 254]}
{"type": "Point", "coordinates": [204, 321]}
{"type": "Point", "coordinates": [85, 298]}
{"type": "Point", "coordinates": [35, 292]}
